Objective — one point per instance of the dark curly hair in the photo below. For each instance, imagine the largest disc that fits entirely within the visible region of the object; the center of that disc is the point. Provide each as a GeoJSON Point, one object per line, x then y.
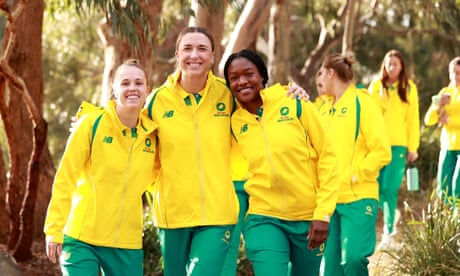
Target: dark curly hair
{"type": "Point", "coordinates": [252, 57]}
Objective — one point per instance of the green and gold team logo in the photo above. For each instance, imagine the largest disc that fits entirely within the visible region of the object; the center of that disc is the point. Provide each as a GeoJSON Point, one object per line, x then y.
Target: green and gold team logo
{"type": "Point", "coordinates": [369, 210]}
{"type": "Point", "coordinates": [148, 142]}
{"type": "Point", "coordinates": [320, 250]}
{"type": "Point", "coordinates": [148, 146]}
{"type": "Point", "coordinates": [284, 111]}
{"type": "Point", "coordinates": [168, 114]}
{"type": "Point", "coordinates": [221, 108]}
{"type": "Point", "coordinates": [227, 236]}
{"type": "Point", "coordinates": [244, 128]}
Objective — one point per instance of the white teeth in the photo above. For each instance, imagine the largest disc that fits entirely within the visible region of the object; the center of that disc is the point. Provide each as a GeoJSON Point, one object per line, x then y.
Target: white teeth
{"type": "Point", "coordinates": [244, 90]}
{"type": "Point", "coordinates": [133, 97]}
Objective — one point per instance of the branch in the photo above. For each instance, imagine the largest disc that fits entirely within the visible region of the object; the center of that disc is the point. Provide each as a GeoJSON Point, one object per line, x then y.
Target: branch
{"type": "Point", "coordinates": [370, 14]}
{"type": "Point", "coordinates": [323, 28]}
{"type": "Point", "coordinates": [10, 26]}
{"type": "Point", "coordinates": [5, 69]}
{"type": "Point", "coordinates": [403, 32]}
{"type": "Point", "coordinates": [19, 84]}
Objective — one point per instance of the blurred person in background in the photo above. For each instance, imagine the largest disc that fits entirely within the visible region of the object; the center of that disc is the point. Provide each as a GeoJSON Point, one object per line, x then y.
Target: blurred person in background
{"type": "Point", "coordinates": [445, 111]}
{"type": "Point", "coordinates": [397, 98]}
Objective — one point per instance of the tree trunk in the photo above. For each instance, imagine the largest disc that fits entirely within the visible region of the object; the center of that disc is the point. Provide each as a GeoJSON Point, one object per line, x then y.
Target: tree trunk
{"type": "Point", "coordinates": [278, 42]}
{"type": "Point", "coordinates": [247, 29]}
{"type": "Point", "coordinates": [327, 39]}
{"type": "Point", "coordinates": [211, 17]}
{"type": "Point", "coordinates": [347, 41]}
{"type": "Point", "coordinates": [21, 73]}
{"type": "Point", "coordinates": [3, 214]}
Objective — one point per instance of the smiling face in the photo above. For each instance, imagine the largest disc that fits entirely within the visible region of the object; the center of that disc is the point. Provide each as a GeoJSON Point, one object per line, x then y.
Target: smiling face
{"type": "Point", "coordinates": [245, 81]}
{"type": "Point", "coordinates": [194, 54]}
{"type": "Point", "coordinates": [130, 86]}
{"type": "Point", "coordinates": [454, 71]}
{"type": "Point", "coordinates": [393, 67]}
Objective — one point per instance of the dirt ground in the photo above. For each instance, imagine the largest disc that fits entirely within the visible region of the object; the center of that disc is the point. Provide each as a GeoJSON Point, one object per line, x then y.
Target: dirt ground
{"type": "Point", "coordinates": [39, 265]}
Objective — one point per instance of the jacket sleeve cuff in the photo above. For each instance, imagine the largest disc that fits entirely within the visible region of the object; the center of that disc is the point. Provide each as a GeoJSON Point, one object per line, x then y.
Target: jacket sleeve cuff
{"type": "Point", "coordinates": [55, 239]}
{"type": "Point", "coordinates": [322, 217]}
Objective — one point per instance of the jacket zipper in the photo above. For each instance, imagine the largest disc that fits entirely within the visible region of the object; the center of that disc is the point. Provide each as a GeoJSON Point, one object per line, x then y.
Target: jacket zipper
{"type": "Point", "coordinates": [273, 168]}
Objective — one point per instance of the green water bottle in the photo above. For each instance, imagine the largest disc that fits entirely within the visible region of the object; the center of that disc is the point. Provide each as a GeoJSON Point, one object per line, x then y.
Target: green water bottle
{"type": "Point", "coordinates": [412, 180]}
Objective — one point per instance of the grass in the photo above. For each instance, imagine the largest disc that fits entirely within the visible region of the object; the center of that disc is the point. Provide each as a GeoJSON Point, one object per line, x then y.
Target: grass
{"type": "Point", "coordinates": [429, 242]}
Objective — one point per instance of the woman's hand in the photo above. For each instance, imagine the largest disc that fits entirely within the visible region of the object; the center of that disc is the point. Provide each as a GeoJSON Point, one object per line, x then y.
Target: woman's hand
{"type": "Point", "coordinates": [445, 100]}
{"type": "Point", "coordinates": [53, 251]}
{"type": "Point", "coordinates": [318, 233]}
{"type": "Point", "coordinates": [442, 120]}
{"type": "Point", "coordinates": [412, 156]}
{"type": "Point", "coordinates": [296, 91]}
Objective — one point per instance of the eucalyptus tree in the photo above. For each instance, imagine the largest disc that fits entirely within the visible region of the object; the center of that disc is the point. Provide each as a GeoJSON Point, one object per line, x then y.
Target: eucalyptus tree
{"type": "Point", "coordinates": [426, 30]}
{"type": "Point", "coordinates": [21, 98]}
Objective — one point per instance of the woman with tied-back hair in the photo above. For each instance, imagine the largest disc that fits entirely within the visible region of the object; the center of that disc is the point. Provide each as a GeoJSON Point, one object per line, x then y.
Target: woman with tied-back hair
{"type": "Point", "coordinates": [292, 184]}
{"type": "Point", "coordinates": [363, 148]}
{"type": "Point", "coordinates": [445, 111]}
{"type": "Point", "coordinates": [94, 219]}
{"type": "Point", "coordinates": [397, 97]}
{"type": "Point", "coordinates": [195, 205]}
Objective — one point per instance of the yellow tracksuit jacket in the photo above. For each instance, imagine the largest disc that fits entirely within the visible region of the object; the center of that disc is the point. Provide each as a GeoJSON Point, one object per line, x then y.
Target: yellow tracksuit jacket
{"type": "Point", "coordinates": [450, 133]}
{"type": "Point", "coordinates": [98, 187]}
{"type": "Point", "coordinates": [239, 165]}
{"type": "Point", "coordinates": [292, 162]}
{"type": "Point", "coordinates": [402, 120]}
{"type": "Point", "coordinates": [194, 186]}
{"type": "Point", "coordinates": [323, 100]}
{"type": "Point", "coordinates": [362, 143]}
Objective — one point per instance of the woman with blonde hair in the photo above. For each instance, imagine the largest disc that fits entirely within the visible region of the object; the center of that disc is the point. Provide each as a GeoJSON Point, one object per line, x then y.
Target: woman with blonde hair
{"type": "Point", "coordinates": [445, 111]}
{"type": "Point", "coordinates": [195, 204]}
{"type": "Point", "coordinates": [94, 219]}
{"type": "Point", "coordinates": [362, 150]}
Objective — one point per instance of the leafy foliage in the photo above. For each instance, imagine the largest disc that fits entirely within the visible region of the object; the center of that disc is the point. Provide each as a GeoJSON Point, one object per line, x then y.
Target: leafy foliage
{"type": "Point", "coordinates": [72, 71]}
{"type": "Point", "coordinates": [427, 162]}
{"type": "Point", "coordinates": [124, 17]}
{"type": "Point", "coordinates": [430, 244]}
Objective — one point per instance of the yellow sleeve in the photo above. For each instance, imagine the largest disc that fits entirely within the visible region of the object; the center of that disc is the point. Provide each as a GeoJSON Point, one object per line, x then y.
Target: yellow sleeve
{"type": "Point", "coordinates": [375, 91]}
{"type": "Point", "coordinates": [432, 116]}
{"type": "Point", "coordinates": [321, 141]}
{"type": "Point", "coordinates": [68, 174]}
{"type": "Point", "coordinates": [413, 119]}
{"type": "Point", "coordinates": [372, 127]}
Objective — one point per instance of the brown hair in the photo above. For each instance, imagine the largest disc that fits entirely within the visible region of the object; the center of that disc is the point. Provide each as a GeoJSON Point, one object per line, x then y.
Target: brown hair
{"type": "Point", "coordinates": [341, 64]}
{"type": "Point", "coordinates": [134, 63]}
{"type": "Point", "coordinates": [452, 63]}
{"type": "Point", "coordinates": [402, 78]}
{"type": "Point", "coordinates": [196, 29]}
